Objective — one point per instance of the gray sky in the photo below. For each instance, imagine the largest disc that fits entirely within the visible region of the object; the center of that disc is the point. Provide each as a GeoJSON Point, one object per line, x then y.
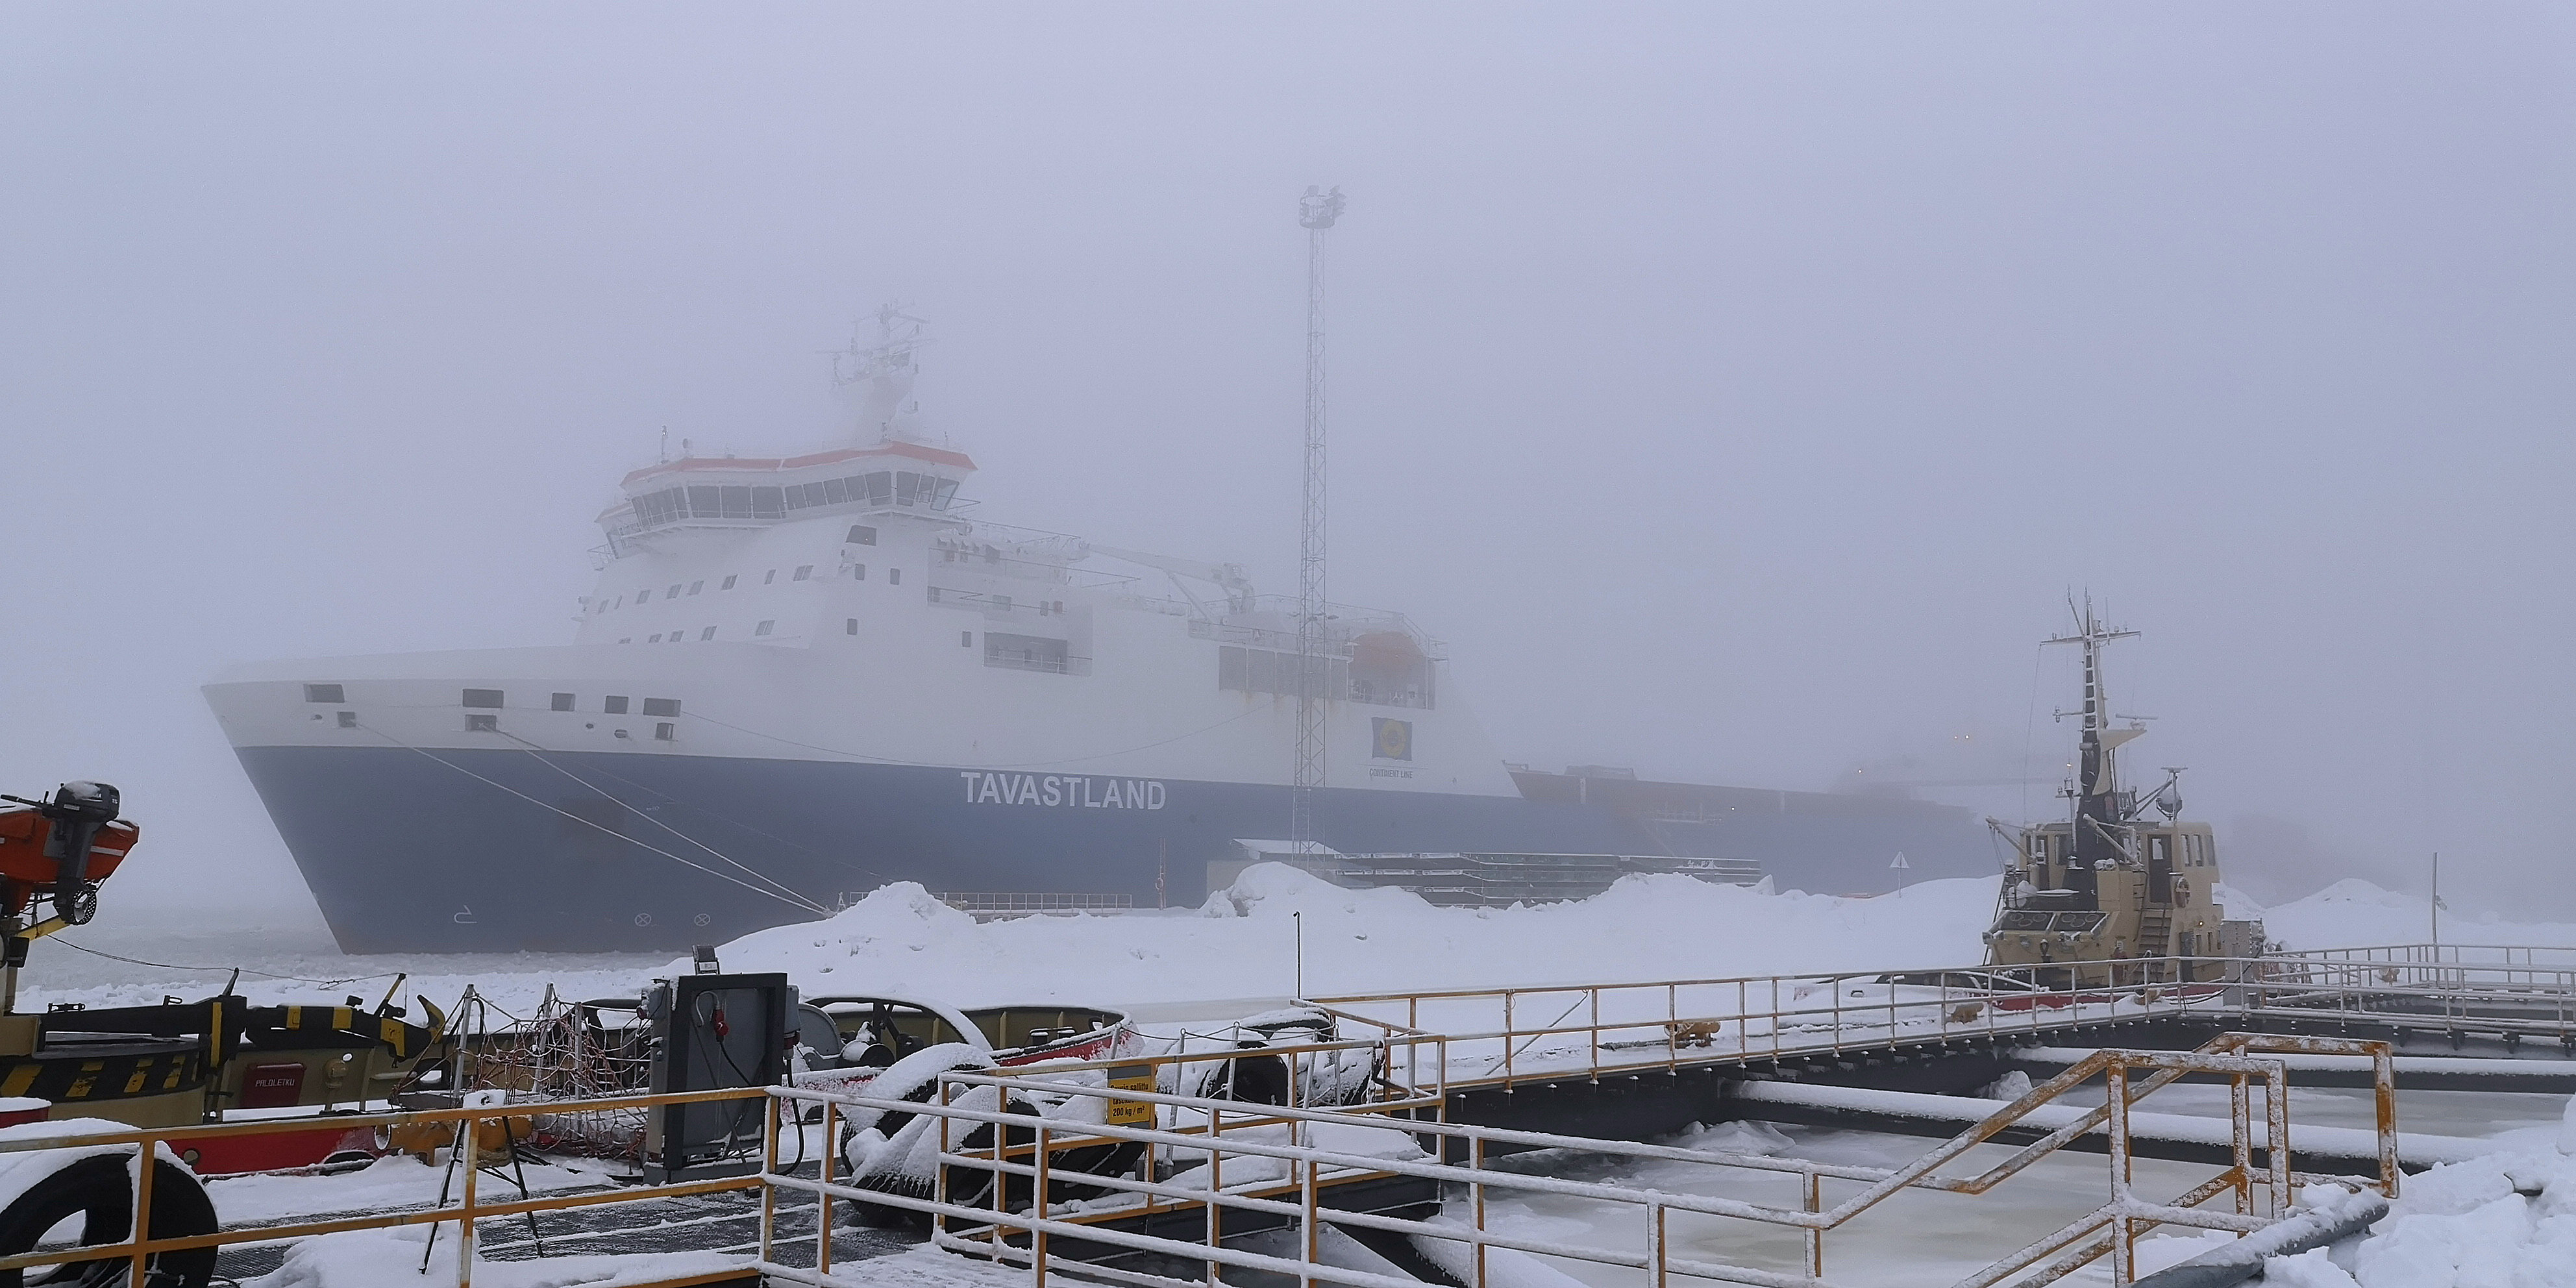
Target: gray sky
{"type": "Point", "coordinates": [1740, 389]}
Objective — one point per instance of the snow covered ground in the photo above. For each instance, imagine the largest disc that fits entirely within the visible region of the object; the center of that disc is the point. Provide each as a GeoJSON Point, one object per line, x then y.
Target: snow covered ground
{"type": "Point", "coordinates": [2356, 914]}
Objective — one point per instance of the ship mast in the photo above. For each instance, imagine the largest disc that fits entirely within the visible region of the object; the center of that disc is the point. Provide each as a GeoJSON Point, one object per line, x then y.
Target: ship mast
{"type": "Point", "coordinates": [2097, 809]}
{"type": "Point", "coordinates": [1316, 212]}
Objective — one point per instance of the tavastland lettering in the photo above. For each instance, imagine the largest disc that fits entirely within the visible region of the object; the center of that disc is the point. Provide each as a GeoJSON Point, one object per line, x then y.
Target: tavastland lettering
{"type": "Point", "coordinates": [1078, 791]}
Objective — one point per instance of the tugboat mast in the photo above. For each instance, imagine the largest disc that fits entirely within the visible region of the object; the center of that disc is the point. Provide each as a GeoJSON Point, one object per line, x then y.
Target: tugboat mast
{"type": "Point", "coordinates": [2099, 814]}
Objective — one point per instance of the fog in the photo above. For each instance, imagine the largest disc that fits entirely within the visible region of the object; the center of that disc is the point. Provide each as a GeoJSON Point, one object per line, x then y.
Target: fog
{"type": "Point", "coordinates": [1741, 391]}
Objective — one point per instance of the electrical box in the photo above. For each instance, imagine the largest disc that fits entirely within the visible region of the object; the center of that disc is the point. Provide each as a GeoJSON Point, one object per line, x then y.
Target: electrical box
{"type": "Point", "coordinates": [711, 1032]}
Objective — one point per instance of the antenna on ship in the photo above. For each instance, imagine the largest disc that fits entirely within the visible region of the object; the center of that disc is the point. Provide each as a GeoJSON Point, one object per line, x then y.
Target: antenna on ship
{"type": "Point", "coordinates": [879, 376]}
{"type": "Point", "coordinates": [1316, 211]}
{"type": "Point", "coordinates": [2096, 783]}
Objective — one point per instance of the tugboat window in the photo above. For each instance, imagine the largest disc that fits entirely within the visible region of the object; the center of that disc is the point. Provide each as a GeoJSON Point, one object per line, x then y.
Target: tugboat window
{"type": "Point", "coordinates": [614, 706]}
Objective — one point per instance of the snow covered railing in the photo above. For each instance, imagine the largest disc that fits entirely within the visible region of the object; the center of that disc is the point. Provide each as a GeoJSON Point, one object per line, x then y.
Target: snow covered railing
{"type": "Point", "coordinates": [1012, 1166]}
{"type": "Point", "coordinates": [156, 1250]}
{"type": "Point", "coordinates": [1506, 1035]}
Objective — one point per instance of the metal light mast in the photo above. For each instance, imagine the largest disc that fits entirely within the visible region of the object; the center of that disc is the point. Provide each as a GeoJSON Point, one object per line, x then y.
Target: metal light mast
{"type": "Point", "coordinates": [1316, 212]}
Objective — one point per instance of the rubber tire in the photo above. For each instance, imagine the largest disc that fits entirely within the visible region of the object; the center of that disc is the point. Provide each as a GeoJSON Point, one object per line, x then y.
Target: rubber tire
{"type": "Point", "coordinates": [102, 1188]}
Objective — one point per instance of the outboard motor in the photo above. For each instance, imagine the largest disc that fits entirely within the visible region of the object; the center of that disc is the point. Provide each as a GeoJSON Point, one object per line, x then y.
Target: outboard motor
{"type": "Point", "coordinates": [69, 827]}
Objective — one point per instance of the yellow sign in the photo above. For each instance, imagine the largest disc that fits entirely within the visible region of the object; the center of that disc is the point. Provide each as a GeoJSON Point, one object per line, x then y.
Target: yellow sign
{"type": "Point", "coordinates": [1394, 738]}
{"type": "Point", "coordinates": [1130, 1113]}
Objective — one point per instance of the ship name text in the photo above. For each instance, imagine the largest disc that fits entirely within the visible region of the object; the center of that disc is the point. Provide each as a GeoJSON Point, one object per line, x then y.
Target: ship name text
{"type": "Point", "coordinates": [1075, 790]}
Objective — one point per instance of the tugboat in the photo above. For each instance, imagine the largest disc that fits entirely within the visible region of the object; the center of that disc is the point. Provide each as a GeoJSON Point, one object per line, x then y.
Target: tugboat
{"type": "Point", "coordinates": [2107, 897]}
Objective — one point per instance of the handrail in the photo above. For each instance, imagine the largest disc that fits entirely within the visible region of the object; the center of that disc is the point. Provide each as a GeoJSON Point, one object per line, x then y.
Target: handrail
{"type": "Point", "coordinates": [1301, 1169]}
{"type": "Point", "coordinates": [138, 1248]}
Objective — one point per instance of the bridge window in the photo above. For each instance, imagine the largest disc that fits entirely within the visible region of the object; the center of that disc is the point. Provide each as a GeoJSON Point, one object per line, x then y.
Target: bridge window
{"type": "Point", "coordinates": [1025, 652]}
{"type": "Point", "coordinates": [323, 693]}
{"type": "Point", "coordinates": [765, 627]}
{"type": "Point", "coordinates": [615, 706]}
{"type": "Point", "coordinates": [861, 535]}
{"type": "Point", "coordinates": [482, 697]}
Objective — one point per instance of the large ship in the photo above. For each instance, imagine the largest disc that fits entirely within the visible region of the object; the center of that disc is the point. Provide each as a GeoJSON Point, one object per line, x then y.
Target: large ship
{"type": "Point", "coordinates": [801, 677]}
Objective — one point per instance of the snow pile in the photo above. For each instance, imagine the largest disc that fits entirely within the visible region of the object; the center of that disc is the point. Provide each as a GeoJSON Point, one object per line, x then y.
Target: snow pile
{"type": "Point", "coordinates": [1242, 943]}
{"type": "Point", "coordinates": [2353, 913]}
{"type": "Point", "coordinates": [2506, 1219]}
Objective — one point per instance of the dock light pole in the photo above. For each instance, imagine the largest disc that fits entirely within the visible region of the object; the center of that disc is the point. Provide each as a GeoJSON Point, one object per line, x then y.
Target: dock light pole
{"type": "Point", "coordinates": [1316, 212]}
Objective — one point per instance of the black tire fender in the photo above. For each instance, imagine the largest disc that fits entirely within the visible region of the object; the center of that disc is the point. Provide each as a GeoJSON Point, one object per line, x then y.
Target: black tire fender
{"type": "Point", "coordinates": [100, 1189]}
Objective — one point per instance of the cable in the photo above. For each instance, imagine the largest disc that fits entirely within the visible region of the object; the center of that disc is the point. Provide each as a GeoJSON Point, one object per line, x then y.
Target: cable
{"type": "Point", "coordinates": [137, 961]}
{"type": "Point", "coordinates": [532, 749]}
{"type": "Point", "coordinates": [686, 863]}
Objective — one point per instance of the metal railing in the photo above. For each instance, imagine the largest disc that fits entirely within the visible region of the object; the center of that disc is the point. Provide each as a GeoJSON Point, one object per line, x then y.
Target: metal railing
{"type": "Point", "coordinates": [138, 1249]}
{"type": "Point", "coordinates": [996, 1177]}
{"type": "Point", "coordinates": [1508, 1035]}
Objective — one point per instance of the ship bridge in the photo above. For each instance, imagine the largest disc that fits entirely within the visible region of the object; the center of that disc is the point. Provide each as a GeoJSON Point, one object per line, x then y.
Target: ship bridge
{"type": "Point", "coordinates": [894, 477]}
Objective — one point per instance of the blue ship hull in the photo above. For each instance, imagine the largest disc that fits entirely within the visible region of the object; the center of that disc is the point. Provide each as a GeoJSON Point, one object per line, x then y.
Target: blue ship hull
{"type": "Point", "coordinates": [491, 850]}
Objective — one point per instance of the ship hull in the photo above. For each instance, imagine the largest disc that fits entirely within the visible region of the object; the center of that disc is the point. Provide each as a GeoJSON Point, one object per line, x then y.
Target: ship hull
{"type": "Point", "coordinates": [472, 850]}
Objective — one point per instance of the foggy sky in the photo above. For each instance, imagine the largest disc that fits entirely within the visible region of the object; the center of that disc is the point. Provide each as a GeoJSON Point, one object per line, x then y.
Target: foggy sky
{"type": "Point", "coordinates": [1740, 390]}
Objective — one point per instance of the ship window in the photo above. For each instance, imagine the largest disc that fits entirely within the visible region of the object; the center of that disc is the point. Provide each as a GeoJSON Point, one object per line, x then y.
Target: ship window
{"type": "Point", "coordinates": [1002, 602]}
{"type": "Point", "coordinates": [656, 638]}
{"type": "Point", "coordinates": [947, 489]}
{"type": "Point", "coordinates": [861, 535]}
{"type": "Point", "coordinates": [768, 503]}
{"type": "Point", "coordinates": [673, 592]}
{"type": "Point", "coordinates": [881, 488]}
{"type": "Point", "coordinates": [858, 572]}
{"type": "Point", "coordinates": [965, 639]}
{"type": "Point", "coordinates": [771, 578]}
{"type": "Point", "coordinates": [642, 595]}
{"type": "Point", "coordinates": [834, 491]}
{"type": "Point", "coordinates": [482, 724]}
{"type": "Point", "coordinates": [894, 576]}
{"type": "Point", "coordinates": [850, 626]}
{"type": "Point", "coordinates": [676, 637]}
{"type": "Point", "coordinates": [482, 697]}
{"type": "Point", "coordinates": [614, 706]}
{"type": "Point", "coordinates": [764, 627]}
{"type": "Point", "coordinates": [627, 640]}
{"type": "Point", "coordinates": [696, 586]}
{"type": "Point", "coordinates": [707, 634]}
{"type": "Point", "coordinates": [737, 502]}
{"type": "Point", "coordinates": [563, 702]}
{"type": "Point", "coordinates": [706, 502]}
{"type": "Point", "coordinates": [666, 732]}
{"type": "Point", "coordinates": [661, 706]}
{"type": "Point", "coordinates": [324, 693]}
{"type": "Point", "coordinates": [803, 571]}
{"type": "Point", "coordinates": [728, 582]}
{"type": "Point", "coordinates": [907, 487]}
{"type": "Point", "coordinates": [934, 591]}
{"type": "Point", "coordinates": [348, 719]}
